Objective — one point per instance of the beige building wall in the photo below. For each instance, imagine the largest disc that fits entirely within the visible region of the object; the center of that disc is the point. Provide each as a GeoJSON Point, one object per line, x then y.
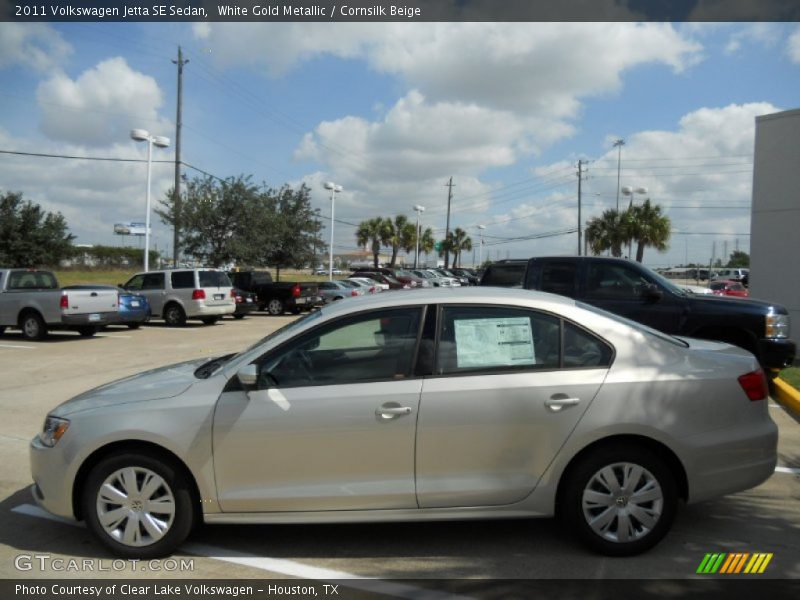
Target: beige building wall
{"type": "Point", "coordinates": [775, 224]}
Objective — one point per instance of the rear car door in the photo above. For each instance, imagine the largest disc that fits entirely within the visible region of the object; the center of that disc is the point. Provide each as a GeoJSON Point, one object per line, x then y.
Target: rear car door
{"type": "Point", "coordinates": [331, 425]}
{"type": "Point", "coordinates": [504, 396]}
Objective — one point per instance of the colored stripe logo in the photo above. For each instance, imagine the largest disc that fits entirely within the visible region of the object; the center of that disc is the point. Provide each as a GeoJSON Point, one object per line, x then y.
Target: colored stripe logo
{"type": "Point", "coordinates": [734, 563]}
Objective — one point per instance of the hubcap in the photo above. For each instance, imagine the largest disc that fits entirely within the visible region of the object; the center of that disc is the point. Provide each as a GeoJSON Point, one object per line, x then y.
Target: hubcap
{"type": "Point", "coordinates": [31, 328]}
{"type": "Point", "coordinates": [622, 502]}
{"type": "Point", "coordinates": [135, 506]}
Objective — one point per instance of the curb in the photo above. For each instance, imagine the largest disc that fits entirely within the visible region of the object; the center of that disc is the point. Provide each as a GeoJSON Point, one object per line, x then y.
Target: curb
{"type": "Point", "coordinates": [787, 396]}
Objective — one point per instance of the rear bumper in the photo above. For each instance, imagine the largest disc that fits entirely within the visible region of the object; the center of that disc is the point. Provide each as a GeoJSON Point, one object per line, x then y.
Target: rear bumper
{"type": "Point", "coordinates": [101, 318]}
{"type": "Point", "coordinates": [730, 460]}
{"type": "Point", "coordinates": [776, 353]}
{"type": "Point", "coordinates": [305, 302]}
{"type": "Point", "coordinates": [198, 311]}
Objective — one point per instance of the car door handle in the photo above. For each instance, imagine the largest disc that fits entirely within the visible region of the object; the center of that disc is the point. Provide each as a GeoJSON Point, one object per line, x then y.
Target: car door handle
{"type": "Point", "coordinates": [390, 412]}
{"type": "Point", "coordinates": [558, 402]}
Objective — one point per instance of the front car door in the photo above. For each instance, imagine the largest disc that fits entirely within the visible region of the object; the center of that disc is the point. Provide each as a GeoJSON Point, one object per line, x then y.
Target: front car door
{"type": "Point", "coordinates": [331, 425]}
{"type": "Point", "coordinates": [508, 387]}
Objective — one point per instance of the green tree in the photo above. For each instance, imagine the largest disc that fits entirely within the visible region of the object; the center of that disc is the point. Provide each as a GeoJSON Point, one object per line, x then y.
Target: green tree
{"type": "Point", "coordinates": [426, 242]}
{"type": "Point", "coordinates": [739, 259]}
{"type": "Point", "coordinates": [373, 233]}
{"type": "Point", "coordinates": [287, 228]}
{"type": "Point", "coordinates": [30, 236]}
{"type": "Point", "coordinates": [401, 236]}
{"type": "Point", "coordinates": [456, 242]}
{"type": "Point", "coordinates": [647, 227]}
{"type": "Point", "coordinates": [217, 218]}
{"type": "Point", "coordinates": [608, 232]}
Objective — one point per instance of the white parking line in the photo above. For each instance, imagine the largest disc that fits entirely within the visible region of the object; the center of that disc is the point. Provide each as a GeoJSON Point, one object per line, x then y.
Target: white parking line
{"type": "Point", "coordinates": [20, 347]}
{"type": "Point", "coordinates": [280, 565]}
{"type": "Point", "coordinates": [790, 470]}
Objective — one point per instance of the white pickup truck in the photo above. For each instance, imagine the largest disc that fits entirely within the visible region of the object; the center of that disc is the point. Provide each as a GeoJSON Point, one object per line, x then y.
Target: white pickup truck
{"type": "Point", "coordinates": [32, 301]}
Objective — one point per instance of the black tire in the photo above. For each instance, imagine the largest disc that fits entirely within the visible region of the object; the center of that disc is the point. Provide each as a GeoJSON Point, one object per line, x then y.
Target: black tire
{"type": "Point", "coordinates": [275, 307]}
{"type": "Point", "coordinates": [174, 315]}
{"type": "Point", "coordinates": [210, 320]}
{"type": "Point", "coordinates": [174, 488]}
{"type": "Point", "coordinates": [134, 325]}
{"type": "Point", "coordinates": [656, 513]}
{"type": "Point", "coordinates": [294, 310]}
{"type": "Point", "coordinates": [239, 316]}
{"type": "Point", "coordinates": [2, 330]}
{"type": "Point", "coordinates": [87, 330]}
{"type": "Point", "coordinates": [33, 326]}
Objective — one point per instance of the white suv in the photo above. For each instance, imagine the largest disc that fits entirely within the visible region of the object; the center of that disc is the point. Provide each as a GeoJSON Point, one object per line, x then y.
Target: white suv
{"type": "Point", "coordinates": [180, 294]}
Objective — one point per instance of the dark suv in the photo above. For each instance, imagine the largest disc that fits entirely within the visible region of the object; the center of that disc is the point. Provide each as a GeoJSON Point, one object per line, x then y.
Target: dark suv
{"type": "Point", "coordinates": [632, 290]}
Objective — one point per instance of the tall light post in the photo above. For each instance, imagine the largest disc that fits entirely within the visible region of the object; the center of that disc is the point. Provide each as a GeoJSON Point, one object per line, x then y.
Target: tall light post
{"type": "Point", "coordinates": [142, 135]}
{"type": "Point", "coordinates": [619, 144]}
{"type": "Point", "coordinates": [480, 248]}
{"type": "Point", "coordinates": [335, 189]}
{"type": "Point", "coordinates": [418, 209]}
{"type": "Point", "coordinates": [629, 191]}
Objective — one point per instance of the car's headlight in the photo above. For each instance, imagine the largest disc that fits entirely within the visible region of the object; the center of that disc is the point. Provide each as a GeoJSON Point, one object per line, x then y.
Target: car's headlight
{"type": "Point", "coordinates": [54, 428]}
{"type": "Point", "coordinates": [777, 326]}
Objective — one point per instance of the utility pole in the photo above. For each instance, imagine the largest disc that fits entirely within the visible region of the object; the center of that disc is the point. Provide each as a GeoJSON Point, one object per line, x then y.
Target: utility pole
{"type": "Point", "coordinates": [580, 178]}
{"type": "Point", "coordinates": [447, 229]}
{"type": "Point", "coordinates": [619, 144]}
{"type": "Point", "coordinates": [176, 192]}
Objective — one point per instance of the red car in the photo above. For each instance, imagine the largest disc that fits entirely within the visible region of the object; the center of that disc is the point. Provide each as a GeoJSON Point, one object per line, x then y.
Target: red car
{"type": "Point", "coordinates": [728, 288]}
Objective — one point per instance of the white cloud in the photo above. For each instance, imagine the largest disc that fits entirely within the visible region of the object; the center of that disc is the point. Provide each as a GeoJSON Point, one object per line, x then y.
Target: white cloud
{"type": "Point", "coordinates": [793, 46]}
{"type": "Point", "coordinates": [101, 106]}
{"type": "Point", "coordinates": [32, 45]}
{"type": "Point", "coordinates": [763, 34]}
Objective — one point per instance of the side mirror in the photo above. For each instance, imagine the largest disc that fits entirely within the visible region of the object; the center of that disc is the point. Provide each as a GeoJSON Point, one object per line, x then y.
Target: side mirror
{"type": "Point", "coordinates": [248, 376]}
{"type": "Point", "coordinates": [652, 292]}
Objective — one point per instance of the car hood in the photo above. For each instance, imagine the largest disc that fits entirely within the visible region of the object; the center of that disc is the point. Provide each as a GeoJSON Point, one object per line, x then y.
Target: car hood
{"type": "Point", "coordinates": [156, 384]}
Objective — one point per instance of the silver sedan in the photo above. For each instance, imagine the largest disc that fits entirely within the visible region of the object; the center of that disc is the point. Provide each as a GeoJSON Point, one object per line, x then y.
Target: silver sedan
{"type": "Point", "coordinates": [432, 405]}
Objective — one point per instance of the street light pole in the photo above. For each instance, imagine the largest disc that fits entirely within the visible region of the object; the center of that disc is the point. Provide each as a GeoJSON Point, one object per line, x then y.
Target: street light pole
{"type": "Point", "coordinates": [335, 189]}
{"type": "Point", "coordinates": [419, 209]}
{"type": "Point", "coordinates": [619, 144]}
{"type": "Point", "coordinates": [629, 191]}
{"type": "Point", "coordinates": [142, 135]}
{"type": "Point", "coordinates": [480, 250]}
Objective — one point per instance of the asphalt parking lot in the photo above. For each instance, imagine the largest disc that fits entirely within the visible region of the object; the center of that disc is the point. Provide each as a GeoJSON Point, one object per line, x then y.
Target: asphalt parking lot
{"type": "Point", "coordinates": [38, 376]}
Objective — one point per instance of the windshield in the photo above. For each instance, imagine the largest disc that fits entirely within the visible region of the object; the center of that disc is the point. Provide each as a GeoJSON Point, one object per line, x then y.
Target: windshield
{"type": "Point", "coordinates": [634, 324]}
{"type": "Point", "coordinates": [296, 324]}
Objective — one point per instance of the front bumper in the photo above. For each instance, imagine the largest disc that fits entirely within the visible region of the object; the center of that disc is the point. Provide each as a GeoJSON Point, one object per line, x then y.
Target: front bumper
{"type": "Point", "coordinates": [52, 487]}
{"type": "Point", "coordinates": [776, 353]}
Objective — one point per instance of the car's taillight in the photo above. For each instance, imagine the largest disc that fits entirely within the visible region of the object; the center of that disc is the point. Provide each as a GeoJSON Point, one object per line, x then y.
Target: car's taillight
{"type": "Point", "coordinates": [239, 299]}
{"type": "Point", "coordinates": [354, 292]}
{"type": "Point", "coordinates": [296, 291]}
{"type": "Point", "coordinates": [233, 295]}
{"type": "Point", "coordinates": [754, 385]}
{"type": "Point", "coordinates": [64, 302]}
{"type": "Point", "coordinates": [199, 295]}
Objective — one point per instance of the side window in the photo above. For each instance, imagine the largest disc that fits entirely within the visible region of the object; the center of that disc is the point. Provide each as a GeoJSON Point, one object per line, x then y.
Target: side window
{"type": "Point", "coordinates": [582, 349]}
{"type": "Point", "coordinates": [614, 281]}
{"type": "Point", "coordinates": [496, 338]}
{"type": "Point", "coordinates": [153, 281]}
{"type": "Point", "coordinates": [559, 278]}
{"type": "Point", "coordinates": [182, 280]}
{"type": "Point", "coordinates": [375, 346]}
{"type": "Point", "coordinates": [135, 283]}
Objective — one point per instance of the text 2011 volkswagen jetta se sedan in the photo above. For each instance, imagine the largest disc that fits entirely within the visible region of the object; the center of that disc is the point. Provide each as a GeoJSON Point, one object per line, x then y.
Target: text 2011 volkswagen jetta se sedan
{"type": "Point", "coordinates": [433, 404]}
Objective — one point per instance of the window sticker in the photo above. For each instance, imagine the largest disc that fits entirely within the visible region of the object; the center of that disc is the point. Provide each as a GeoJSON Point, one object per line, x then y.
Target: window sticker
{"type": "Point", "coordinates": [494, 342]}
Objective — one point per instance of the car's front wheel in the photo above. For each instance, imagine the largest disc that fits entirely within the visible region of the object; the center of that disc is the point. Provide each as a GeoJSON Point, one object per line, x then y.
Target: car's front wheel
{"type": "Point", "coordinates": [620, 500]}
{"type": "Point", "coordinates": [138, 505]}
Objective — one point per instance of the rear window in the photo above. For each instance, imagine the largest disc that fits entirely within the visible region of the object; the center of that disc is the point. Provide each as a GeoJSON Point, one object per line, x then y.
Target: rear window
{"type": "Point", "coordinates": [214, 279]}
{"type": "Point", "coordinates": [510, 275]}
{"type": "Point", "coordinates": [36, 280]}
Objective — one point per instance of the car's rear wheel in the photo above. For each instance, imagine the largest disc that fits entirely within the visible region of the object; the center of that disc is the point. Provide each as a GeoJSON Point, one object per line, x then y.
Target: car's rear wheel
{"type": "Point", "coordinates": [87, 330]}
{"type": "Point", "coordinates": [2, 330]}
{"type": "Point", "coordinates": [210, 320]}
{"type": "Point", "coordinates": [33, 326]}
{"type": "Point", "coordinates": [620, 500]}
{"type": "Point", "coordinates": [138, 505]}
{"type": "Point", "coordinates": [174, 316]}
{"type": "Point", "coordinates": [134, 325]}
{"type": "Point", "coordinates": [239, 316]}
{"type": "Point", "coordinates": [275, 306]}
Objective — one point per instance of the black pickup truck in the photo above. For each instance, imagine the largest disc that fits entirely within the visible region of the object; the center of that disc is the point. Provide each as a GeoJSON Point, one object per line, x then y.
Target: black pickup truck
{"type": "Point", "coordinates": [276, 297]}
{"type": "Point", "coordinates": [632, 290]}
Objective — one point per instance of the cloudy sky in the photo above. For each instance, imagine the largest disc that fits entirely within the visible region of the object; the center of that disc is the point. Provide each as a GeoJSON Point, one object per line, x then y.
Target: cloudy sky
{"type": "Point", "coordinates": [391, 111]}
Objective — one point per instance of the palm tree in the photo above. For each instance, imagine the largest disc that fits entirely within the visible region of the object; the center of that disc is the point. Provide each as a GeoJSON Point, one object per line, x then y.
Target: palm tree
{"type": "Point", "coordinates": [648, 227]}
{"type": "Point", "coordinates": [401, 235]}
{"type": "Point", "coordinates": [373, 233]}
{"type": "Point", "coordinates": [457, 241]}
{"type": "Point", "coordinates": [611, 231]}
{"type": "Point", "coordinates": [426, 241]}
